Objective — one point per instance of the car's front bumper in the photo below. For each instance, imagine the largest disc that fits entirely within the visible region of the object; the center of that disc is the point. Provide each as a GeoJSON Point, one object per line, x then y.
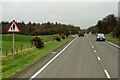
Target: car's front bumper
{"type": "Point", "coordinates": [100, 39]}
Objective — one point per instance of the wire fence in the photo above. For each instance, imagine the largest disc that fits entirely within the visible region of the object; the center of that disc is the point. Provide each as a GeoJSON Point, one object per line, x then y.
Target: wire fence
{"type": "Point", "coordinates": [18, 49]}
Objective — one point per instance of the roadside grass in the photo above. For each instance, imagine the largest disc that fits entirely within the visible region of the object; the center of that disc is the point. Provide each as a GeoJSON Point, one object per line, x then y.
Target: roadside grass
{"type": "Point", "coordinates": [0, 41]}
{"type": "Point", "coordinates": [26, 58]}
{"type": "Point", "coordinates": [112, 39]}
{"type": "Point", "coordinates": [24, 40]}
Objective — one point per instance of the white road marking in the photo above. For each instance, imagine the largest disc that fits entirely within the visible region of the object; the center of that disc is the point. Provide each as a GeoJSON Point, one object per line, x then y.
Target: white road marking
{"type": "Point", "coordinates": [92, 46]}
{"type": "Point", "coordinates": [54, 52]}
{"type": "Point", "coordinates": [99, 58]}
{"type": "Point", "coordinates": [95, 51]}
{"type": "Point", "coordinates": [89, 40]}
{"type": "Point", "coordinates": [112, 44]}
{"type": "Point", "coordinates": [51, 60]}
{"type": "Point", "coordinates": [107, 74]}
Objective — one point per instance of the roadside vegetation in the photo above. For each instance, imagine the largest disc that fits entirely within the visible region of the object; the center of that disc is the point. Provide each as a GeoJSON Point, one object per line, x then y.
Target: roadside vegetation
{"type": "Point", "coordinates": [35, 41]}
{"type": "Point", "coordinates": [26, 58]}
{"type": "Point", "coordinates": [110, 26]}
{"type": "Point", "coordinates": [41, 28]}
{"type": "Point", "coordinates": [21, 41]}
{"type": "Point", "coordinates": [112, 39]}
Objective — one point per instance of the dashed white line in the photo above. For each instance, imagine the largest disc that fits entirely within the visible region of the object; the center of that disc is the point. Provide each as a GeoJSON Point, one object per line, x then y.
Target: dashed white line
{"type": "Point", "coordinates": [107, 74]}
{"type": "Point", "coordinates": [89, 40]}
{"type": "Point", "coordinates": [95, 51]}
{"type": "Point", "coordinates": [51, 60]}
{"type": "Point", "coordinates": [99, 58]}
{"type": "Point", "coordinates": [92, 46]}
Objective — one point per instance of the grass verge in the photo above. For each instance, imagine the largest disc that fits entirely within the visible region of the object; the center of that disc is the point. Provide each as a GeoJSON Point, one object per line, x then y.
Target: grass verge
{"type": "Point", "coordinates": [112, 39]}
{"type": "Point", "coordinates": [24, 40]}
{"type": "Point", "coordinates": [26, 58]}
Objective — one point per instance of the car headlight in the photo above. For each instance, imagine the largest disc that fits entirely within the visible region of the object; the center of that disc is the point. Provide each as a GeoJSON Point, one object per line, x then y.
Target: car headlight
{"type": "Point", "coordinates": [104, 37]}
{"type": "Point", "coordinates": [97, 37]}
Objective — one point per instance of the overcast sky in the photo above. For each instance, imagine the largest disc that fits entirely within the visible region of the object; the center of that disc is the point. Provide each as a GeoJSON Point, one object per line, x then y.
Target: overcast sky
{"type": "Point", "coordinates": [82, 14]}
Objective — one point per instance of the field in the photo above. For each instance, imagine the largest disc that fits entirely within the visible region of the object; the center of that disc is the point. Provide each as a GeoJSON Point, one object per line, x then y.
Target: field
{"type": "Point", "coordinates": [24, 40]}
{"type": "Point", "coordinates": [26, 58]}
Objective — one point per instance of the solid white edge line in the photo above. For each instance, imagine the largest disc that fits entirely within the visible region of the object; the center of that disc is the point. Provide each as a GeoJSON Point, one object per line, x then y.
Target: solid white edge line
{"type": "Point", "coordinates": [98, 58]}
{"type": "Point", "coordinates": [95, 51]}
{"type": "Point", "coordinates": [107, 74]}
{"type": "Point", "coordinates": [112, 44]}
{"type": "Point", "coordinates": [51, 60]}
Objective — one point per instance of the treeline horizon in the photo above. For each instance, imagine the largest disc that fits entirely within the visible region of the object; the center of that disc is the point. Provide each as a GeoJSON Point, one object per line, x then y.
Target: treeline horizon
{"type": "Point", "coordinates": [108, 25]}
{"type": "Point", "coordinates": [41, 29]}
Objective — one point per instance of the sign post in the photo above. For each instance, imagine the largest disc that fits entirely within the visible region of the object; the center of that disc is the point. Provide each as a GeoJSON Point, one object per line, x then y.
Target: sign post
{"type": "Point", "coordinates": [13, 48]}
{"type": "Point", "coordinates": [70, 32]}
{"type": "Point", "coordinates": [13, 28]}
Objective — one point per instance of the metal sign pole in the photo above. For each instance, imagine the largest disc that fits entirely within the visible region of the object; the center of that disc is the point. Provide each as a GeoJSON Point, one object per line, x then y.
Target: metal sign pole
{"type": "Point", "coordinates": [13, 28]}
{"type": "Point", "coordinates": [13, 48]}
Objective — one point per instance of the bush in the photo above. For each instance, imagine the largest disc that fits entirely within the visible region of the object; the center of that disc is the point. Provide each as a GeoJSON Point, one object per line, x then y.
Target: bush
{"type": "Point", "coordinates": [37, 42]}
{"type": "Point", "coordinates": [67, 34]}
{"type": "Point", "coordinates": [58, 38]}
{"type": "Point", "coordinates": [62, 36]}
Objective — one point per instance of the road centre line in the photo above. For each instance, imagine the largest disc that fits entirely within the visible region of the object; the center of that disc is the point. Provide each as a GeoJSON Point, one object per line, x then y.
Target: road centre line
{"type": "Point", "coordinates": [39, 71]}
{"type": "Point", "coordinates": [95, 51]}
{"type": "Point", "coordinates": [92, 46]}
{"type": "Point", "coordinates": [98, 58]}
{"type": "Point", "coordinates": [107, 74]}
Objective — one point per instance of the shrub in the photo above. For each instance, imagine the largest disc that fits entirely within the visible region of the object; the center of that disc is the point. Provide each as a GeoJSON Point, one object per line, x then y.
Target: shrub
{"type": "Point", "coordinates": [67, 34]}
{"type": "Point", "coordinates": [37, 42]}
{"type": "Point", "coordinates": [58, 38]}
{"type": "Point", "coordinates": [62, 36]}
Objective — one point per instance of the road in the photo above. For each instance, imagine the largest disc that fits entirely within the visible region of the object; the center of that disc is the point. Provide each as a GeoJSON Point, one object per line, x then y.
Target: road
{"type": "Point", "coordinates": [83, 58]}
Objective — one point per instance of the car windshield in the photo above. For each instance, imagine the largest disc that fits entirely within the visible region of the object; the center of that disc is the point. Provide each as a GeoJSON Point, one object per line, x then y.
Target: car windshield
{"type": "Point", "coordinates": [100, 35]}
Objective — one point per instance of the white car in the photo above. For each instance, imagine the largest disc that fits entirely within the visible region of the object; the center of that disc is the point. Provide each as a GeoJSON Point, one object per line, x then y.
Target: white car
{"type": "Point", "coordinates": [100, 37]}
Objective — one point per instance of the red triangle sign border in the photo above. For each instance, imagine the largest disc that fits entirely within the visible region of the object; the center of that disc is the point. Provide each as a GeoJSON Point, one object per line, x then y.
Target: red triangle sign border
{"type": "Point", "coordinates": [13, 31]}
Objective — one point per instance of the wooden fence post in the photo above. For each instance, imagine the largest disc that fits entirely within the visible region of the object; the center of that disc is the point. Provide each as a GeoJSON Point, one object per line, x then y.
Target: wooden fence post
{"type": "Point", "coordinates": [25, 46]}
{"type": "Point", "coordinates": [31, 44]}
{"type": "Point", "coordinates": [16, 50]}
{"type": "Point", "coordinates": [21, 47]}
{"type": "Point", "coordinates": [6, 52]}
{"type": "Point", "coordinates": [12, 50]}
{"type": "Point", "coordinates": [28, 45]}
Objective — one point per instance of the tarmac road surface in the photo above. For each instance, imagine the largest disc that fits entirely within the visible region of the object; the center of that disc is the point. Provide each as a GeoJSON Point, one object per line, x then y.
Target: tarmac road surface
{"type": "Point", "coordinates": [83, 57]}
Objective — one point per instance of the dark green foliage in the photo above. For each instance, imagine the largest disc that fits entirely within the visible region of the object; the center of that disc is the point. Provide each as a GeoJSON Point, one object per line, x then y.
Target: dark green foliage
{"type": "Point", "coordinates": [37, 42]}
{"type": "Point", "coordinates": [67, 34]}
{"type": "Point", "coordinates": [48, 28]}
{"type": "Point", "coordinates": [62, 36]}
{"type": "Point", "coordinates": [58, 38]}
{"type": "Point", "coordinates": [109, 24]}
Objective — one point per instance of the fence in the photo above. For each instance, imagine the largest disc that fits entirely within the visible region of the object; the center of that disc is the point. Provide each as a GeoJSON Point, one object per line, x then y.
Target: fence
{"type": "Point", "coordinates": [18, 49]}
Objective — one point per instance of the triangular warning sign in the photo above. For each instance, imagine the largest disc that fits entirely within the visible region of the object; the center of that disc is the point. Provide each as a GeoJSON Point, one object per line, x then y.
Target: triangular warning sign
{"type": "Point", "coordinates": [13, 28]}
